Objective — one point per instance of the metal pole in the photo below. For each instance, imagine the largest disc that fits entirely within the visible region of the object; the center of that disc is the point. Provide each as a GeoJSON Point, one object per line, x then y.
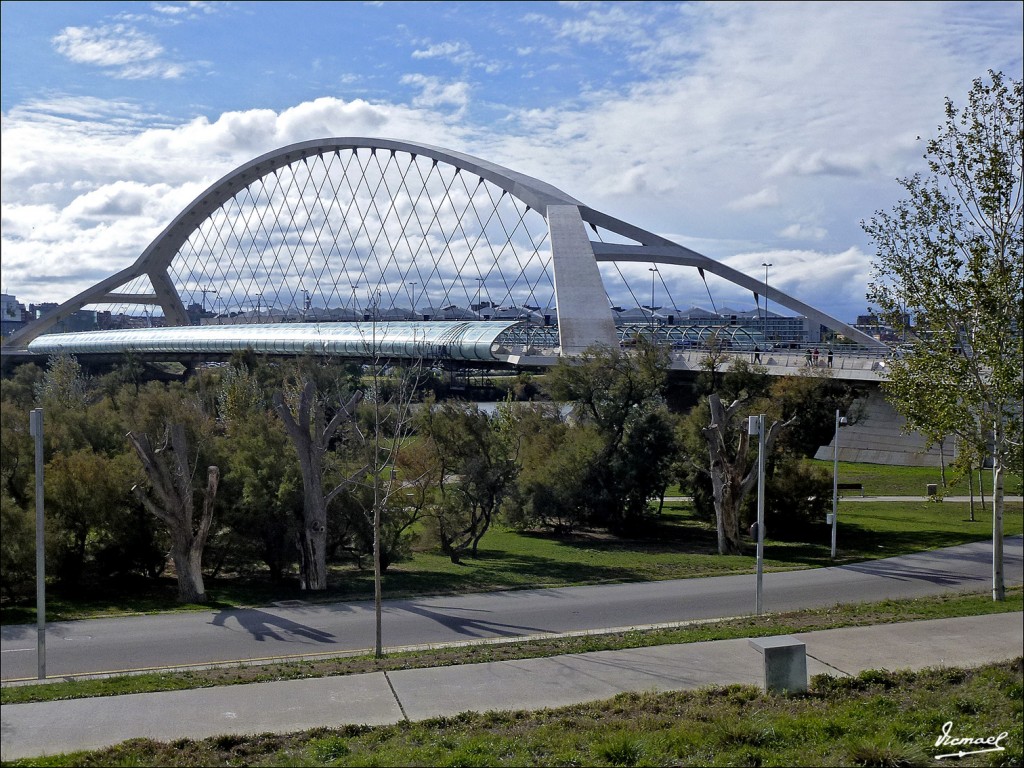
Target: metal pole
{"type": "Point", "coordinates": [654, 272]}
{"type": "Point", "coordinates": [835, 484]}
{"type": "Point", "coordinates": [760, 514]}
{"type": "Point", "coordinates": [998, 577]}
{"type": "Point", "coordinates": [36, 430]}
{"type": "Point", "coordinates": [766, 265]}
{"type": "Point", "coordinates": [835, 481]}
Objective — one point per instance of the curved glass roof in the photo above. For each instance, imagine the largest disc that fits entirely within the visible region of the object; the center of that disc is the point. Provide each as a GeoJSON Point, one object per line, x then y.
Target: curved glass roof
{"type": "Point", "coordinates": [414, 340]}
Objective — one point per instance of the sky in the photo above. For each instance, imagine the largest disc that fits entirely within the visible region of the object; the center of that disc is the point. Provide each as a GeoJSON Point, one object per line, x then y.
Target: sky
{"type": "Point", "coordinates": [750, 132]}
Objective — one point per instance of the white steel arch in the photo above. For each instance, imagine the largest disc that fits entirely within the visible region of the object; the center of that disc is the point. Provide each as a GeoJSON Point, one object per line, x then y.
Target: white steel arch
{"type": "Point", "coordinates": [376, 218]}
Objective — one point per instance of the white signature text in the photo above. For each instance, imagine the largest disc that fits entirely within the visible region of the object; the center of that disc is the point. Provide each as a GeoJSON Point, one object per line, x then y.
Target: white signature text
{"type": "Point", "coordinates": [986, 743]}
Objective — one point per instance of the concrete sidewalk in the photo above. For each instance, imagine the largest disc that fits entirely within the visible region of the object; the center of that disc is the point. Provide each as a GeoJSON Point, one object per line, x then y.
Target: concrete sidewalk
{"type": "Point", "coordinates": [417, 694]}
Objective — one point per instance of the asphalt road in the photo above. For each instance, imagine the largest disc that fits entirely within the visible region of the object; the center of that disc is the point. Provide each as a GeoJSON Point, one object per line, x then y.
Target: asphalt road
{"type": "Point", "coordinates": [287, 631]}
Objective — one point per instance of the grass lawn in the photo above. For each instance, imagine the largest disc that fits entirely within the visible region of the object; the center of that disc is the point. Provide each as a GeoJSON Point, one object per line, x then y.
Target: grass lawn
{"type": "Point", "coordinates": [887, 480]}
{"type": "Point", "coordinates": [679, 546]}
{"type": "Point", "coordinates": [878, 718]}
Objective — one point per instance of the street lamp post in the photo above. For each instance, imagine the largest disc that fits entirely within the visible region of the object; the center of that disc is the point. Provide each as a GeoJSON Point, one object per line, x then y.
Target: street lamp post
{"type": "Point", "coordinates": [35, 427]}
{"type": "Point", "coordinates": [766, 264]}
{"type": "Point", "coordinates": [654, 273]}
{"type": "Point", "coordinates": [412, 296]}
{"type": "Point", "coordinates": [755, 426]}
{"type": "Point", "coordinates": [840, 421]}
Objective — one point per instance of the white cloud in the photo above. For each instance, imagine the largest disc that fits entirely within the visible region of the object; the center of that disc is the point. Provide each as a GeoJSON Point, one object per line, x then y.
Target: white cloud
{"type": "Point", "coordinates": [123, 51]}
{"type": "Point", "coordinates": [764, 198]}
{"type": "Point", "coordinates": [436, 93]}
{"type": "Point", "coordinates": [803, 232]}
{"type": "Point", "coordinates": [452, 51]}
{"type": "Point", "coordinates": [737, 129]}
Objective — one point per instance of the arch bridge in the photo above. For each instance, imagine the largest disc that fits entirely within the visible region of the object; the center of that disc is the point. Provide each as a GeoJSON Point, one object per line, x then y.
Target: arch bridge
{"type": "Point", "coordinates": [330, 245]}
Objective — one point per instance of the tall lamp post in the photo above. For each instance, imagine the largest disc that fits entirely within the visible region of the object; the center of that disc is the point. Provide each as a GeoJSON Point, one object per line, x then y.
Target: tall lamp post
{"type": "Point", "coordinates": [654, 273]}
{"type": "Point", "coordinates": [766, 264]}
{"type": "Point", "coordinates": [35, 425]}
{"type": "Point", "coordinates": [755, 426]}
{"type": "Point", "coordinates": [840, 421]}
{"type": "Point", "coordinates": [412, 296]}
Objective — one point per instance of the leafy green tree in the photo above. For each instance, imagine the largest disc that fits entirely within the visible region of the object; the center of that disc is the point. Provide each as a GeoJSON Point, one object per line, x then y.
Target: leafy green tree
{"type": "Point", "coordinates": [88, 500]}
{"type": "Point", "coordinates": [553, 485]}
{"type": "Point", "coordinates": [262, 486]}
{"type": "Point", "coordinates": [20, 389]}
{"type": "Point", "coordinates": [950, 256]}
{"type": "Point", "coordinates": [17, 546]}
{"type": "Point", "coordinates": [17, 453]}
{"type": "Point", "coordinates": [814, 396]}
{"type": "Point", "coordinates": [622, 396]}
{"type": "Point", "coordinates": [475, 466]}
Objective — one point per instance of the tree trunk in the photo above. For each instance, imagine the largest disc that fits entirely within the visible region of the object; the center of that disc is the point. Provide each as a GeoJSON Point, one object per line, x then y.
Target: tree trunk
{"type": "Point", "coordinates": [188, 565]}
{"type": "Point", "coordinates": [170, 475]}
{"type": "Point", "coordinates": [313, 544]}
{"type": "Point", "coordinates": [970, 487]}
{"type": "Point", "coordinates": [312, 440]}
{"type": "Point", "coordinates": [942, 462]}
{"type": "Point", "coordinates": [726, 485]}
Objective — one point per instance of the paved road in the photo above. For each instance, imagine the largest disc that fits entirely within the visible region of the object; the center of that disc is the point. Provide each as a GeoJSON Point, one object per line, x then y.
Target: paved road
{"type": "Point", "coordinates": [380, 698]}
{"type": "Point", "coordinates": [152, 642]}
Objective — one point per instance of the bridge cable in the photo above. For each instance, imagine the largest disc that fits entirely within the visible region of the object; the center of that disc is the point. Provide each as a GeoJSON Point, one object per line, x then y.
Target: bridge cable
{"type": "Point", "coordinates": [708, 289]}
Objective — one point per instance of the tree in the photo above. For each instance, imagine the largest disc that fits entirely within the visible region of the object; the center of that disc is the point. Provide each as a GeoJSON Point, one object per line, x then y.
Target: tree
{"type": "Point", "coordinates": [262, 489]}
{"type": "Point", "coordinates": [87, 501]}
{"type": "Point", "coordinates": [951, 257]}
{"type": "Point", "coordinates": [733, 472]}
{"type": "Point", "coordinates": [475, 466]}
{"type": "Point", "coordinates": [17, 545]}
{"type": "Point", "coordinates": [555, 459]}
{"type": "Point", "coordinates": [171, 469]}
{"type": "Point", "coordinates": [313, 432]}
{"type": "Point", "coordinates": [800, 410]}
{"type": "Point", "coordinates": [622, 396]}
{"type": "Point", "coordinates": [16, 453]}
{"type": "Point", "coordinates": [186, 435]}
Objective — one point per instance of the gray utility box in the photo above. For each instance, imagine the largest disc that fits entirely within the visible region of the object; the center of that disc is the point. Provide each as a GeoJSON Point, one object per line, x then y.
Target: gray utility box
{"type": "Point", "coordinates": [785, 663]}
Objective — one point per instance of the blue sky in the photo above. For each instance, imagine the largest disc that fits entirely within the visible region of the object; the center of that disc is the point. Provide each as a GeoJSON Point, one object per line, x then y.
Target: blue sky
{"type": "Point", "coordinates": [748, 131]}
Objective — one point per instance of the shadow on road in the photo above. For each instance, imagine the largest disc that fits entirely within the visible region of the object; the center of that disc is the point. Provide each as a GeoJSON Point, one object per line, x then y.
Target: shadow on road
{"type": "Point", "coordinates": [263, 625]}
{"type": "Point", "coordinates": [470, 627]}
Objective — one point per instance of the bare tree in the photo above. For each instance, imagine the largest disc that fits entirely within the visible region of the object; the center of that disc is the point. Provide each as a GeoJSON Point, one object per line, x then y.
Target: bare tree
{"type": "Point", "coordinates": [392, 420]}
{"type": "Point", "coordinates": [171, 474]}
{"type": "Point", "coordinates": [312, 439]}
{"type": "Point", "coordinates": [733, 474]}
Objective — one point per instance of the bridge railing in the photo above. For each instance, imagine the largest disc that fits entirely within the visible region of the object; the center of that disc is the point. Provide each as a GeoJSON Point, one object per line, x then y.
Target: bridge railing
{"type": "Point", "coordinates": [862, 360]}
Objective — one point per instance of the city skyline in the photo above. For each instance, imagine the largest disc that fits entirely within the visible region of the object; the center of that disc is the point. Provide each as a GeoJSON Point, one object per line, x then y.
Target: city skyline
{"type": "Point", "coordinates": [753, 133]}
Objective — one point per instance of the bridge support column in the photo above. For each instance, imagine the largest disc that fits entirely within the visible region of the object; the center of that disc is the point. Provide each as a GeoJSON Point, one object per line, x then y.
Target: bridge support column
{"type": "Point", "coordinates": [584, 317]}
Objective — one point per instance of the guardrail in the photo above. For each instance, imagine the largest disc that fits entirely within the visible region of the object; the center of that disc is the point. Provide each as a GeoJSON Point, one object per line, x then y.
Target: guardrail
{"type": "Point", "coordinates": [863, 364]}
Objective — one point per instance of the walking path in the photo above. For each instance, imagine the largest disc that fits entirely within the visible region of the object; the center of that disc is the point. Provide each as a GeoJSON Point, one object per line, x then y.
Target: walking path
{"type": "Point", "coordinates": [383, 698]}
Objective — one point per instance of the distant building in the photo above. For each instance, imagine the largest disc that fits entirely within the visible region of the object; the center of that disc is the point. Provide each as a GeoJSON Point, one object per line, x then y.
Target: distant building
{"type": "Point", "coordinates": [12, 314]}
{"type": "Point", "coordinates": [874, 327]}
{"type": "Point", "coordinates": [82, 320]}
